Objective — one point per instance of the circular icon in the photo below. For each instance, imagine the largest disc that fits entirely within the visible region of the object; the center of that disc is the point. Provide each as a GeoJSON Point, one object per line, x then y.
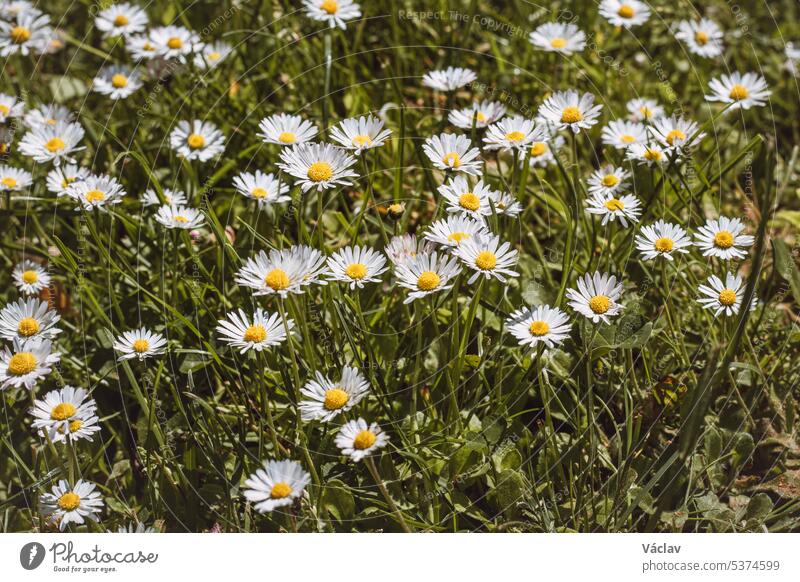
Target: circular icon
{"type": "Point", "coordinates": [31, 555]}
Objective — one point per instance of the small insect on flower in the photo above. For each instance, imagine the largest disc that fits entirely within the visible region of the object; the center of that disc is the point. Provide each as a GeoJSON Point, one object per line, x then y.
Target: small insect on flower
{"type": "Point", "coordinates": [265, 189]}
{"type": "Point", "coordinates": [30, 277]}
{"type": "Point", "coordinates": [723, 238]}
{"type": "Point", "coordinates": [453, 152]}
{"type": "Point", "coordinates": [481, 113]}
{"type": "Point", "coordinates": [10, 107]}
{"type": "Point", "coordinates": [67, 504]}
{"type": "Point", "coordinates": [513, 133]}
{"type": "Point", "coordinates": [356, 266]}
{"type": "Point", "coordinates": [52, 143]}
{"type": "Point", "coordinates": [326, 399]}
{"type": "Point", "coordinates": [570, 110]}
{"type": "Point", "coordinates": [662, 239]}
{"type": "Point", "coordinates": [278, 484]}
{"type": "Point", "coordinates": [212, 54]}
{"type": "Point", "coordinates": [724, 298]}
{"type": "Point", "coordinates": [608, 181]}
{"type": "Point", "coordinates": [558, 37]}
{"type": "Point", "coordinates": [643, 110]}
{"type": "Point", "coordinates": [65, 415]}
{"type": "Point", "coordinates": [449, 79]}
{"type": "Point", "coordinates": [676, 134]}
{"type": "Point", "coordinates": [26, 363]}
{"type": "Point", "coordinates": [427, 273]}
{"type": "Point", "coordinates": [258, 333]}
{"type": "Point", "coordinates": [449, 232]}
{"type": "Point", "coordinates": [596, 297]}
{"type": "Point", "coordinates": [543, 324]}
{"type": "Point", "coordinates": [357, 439]}
{"type": "Point", "coordinates": [333, 12]}
{"type": "Point", "coordinates": [466, 200]}
{"type": "Point", "coordinates": [174, 42]}
{"type": "Point", "coordinates": [703, 37]}
{"type": "Point", "coordinates": [625, 13]}
{"type": "Point", "coordinates": [14, 179]}
{"type": "Point", "coordinates": [121, 19]}
{"type": "Point", "coordinates": [28, 32]}
{"type": "Point", "coordinates": [623, 208]}
{"type": "Point", "coordinates": [118, 82]}
{"type": "Point", "coordinates": [28, 318]}
{"type": "Point", "coordinates": [648, 154]}
{"type": "Point", "coordinates": [360, 134]}
{"type": "Point", "coordinates": [488, 257]}
{"type": "Point", "coordinates": [284, 271]}
{"type": "Point", "coordinates": [286, 130]}
{"type": "Point", "coordinates": [621, 134]}
{"type": "Point", "coordinates": [181, 217]}
{"type": "Point", "coordinates": [172, 197]}
{"type": "Point", "coordinates": [140, 343]}
{"type": "Point", "coordinates": [739, 91]}
{"type": "Point", "coordinates": [321, 166]}
{"type": "Point", "coordinates": [403, 248]}
{"type": "Point", "coordinates": [96, 192]}
{"type": "Point", "coordinates": [197, 140]}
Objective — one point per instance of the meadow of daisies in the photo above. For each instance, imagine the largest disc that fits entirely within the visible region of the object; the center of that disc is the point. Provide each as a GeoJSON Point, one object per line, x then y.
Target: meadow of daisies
{"type": "Point", "coordinates": [468, 266]}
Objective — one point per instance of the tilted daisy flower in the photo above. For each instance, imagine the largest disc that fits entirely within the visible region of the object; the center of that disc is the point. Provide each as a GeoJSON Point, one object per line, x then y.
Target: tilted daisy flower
{"type": "Point", "coordinates": [558, 37]}
{"type": "Point", "coordinates": [723, 238]}
{"type": "Point", "coordinates": [453, 152]}
{"type": "Point", "coordinates": [483, 113]}
{"type": "Point", "coordinates": [52, 143]}
{"type": "Point", "coordinates": [703, 37]}
{"type": "Point", "coordinates": [641, 109]}
{"type": "Point", "coordinates": [121, 19]}
{"type": "Point", "coordinates": [596, 297]}
{"type": "Point", "coordinates": [570, 110]}
{"type": "Point", "coordinates": [625, 208]}
{"type": "Point", "coordinates": [10, 107]}
{"type": "Point", "coordinates": [141, 47]}
{"type": "Point", "coordinates": [67, 504]}
{"type": "Point", "coordinates": [27, 33]}
{"type": "Point", "coordinates": [96, 191]}
{"type": "Point", "coordinates": [10, 9]}
{"type": "Point", "coordinates": [136, 528]}
{"type": "Point", "coordinates": [197, 140]}
{"type": "Point", "coordinates": [212, 54]}
{"type": "Point", "coordinates": [26, 363]}
{"type": "Point", "coordinates": [403, 248]}
{"type": "Point", "coordinates": [449, 79]}
{"type": "Point", "coordinates": [472, 201]}
{"type": "Point", "coordinates": [140, 343]}
{"type": "Point", "coordinates": [28, 318]}
{"type": "Point", "coordinates": [48, 115]}
{"type": "Point", "coordinates": [325, 399]}
{"type": "Point", "coordinates": [258, 333]}
{"type": "Point", "coordinates": [625, 13]}
{"type": "Point", "coordinates": [356, 266]}
{"type": "Point", "coordinates": [14, 179]}
{"type": "Point", "coordinates": [261, 187]}
{"type": "Point", "coordinates": [724, 297]}
{"type": "Point", "coordinates": [450, 231]}
{"type": "Point", "coordinates": [608, 181]}
{"type": "Point", "coordinates": [321, 166]}
{"type": "Point", "coordinates": [488, 257]}
{"type": "Point", "coordinates": [649, 154]}
{"type": "Point", "coordinates": [118, 82]}
{"type": "Point", "coordinates": [284, 271]}
{"type": "Point", "coordinates": [65, 415]}
{"type": "Point", "coordinates": [621, 134]}
{"type": "Point", "coordinates": [172, 197]}
{"type": "Point", "coordinates": [278, 484]}
{"type": "Point", "coordinates": [181, 217]}
{"type": "Point", "coordinates": [360, 134]}
{"type": "Point", "coordinates": [333, 12]}
{"type": "Point", "coordinates": [427, 273]}
{"type": "Point", "coordinates": [676, 133]}
{"type": "Point", "coordinates": [357, 439]}
{"type": "Point", "coordinates": [513, 133]}
{"type": "Point", "coordinates": [543, 324]}
{"type": "Point", "coordinates": [286, 130]}
{"type": "Point", "coordinates": [174, 42]}
{"type": "Point", "coordinates": [505, 204]}
{"type": "Point", "coordinates": [30, 277]}
{"type": "Point", "coordinates": [542, 150]}
{"type": "Point", "coordinates": [662, 239]}
{"type": "Point", "coordinates": [739, 91]}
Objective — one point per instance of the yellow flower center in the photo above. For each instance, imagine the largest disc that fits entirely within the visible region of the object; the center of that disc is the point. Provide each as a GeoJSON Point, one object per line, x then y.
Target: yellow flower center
{"type": "Point", "coordinates": [727, 297]}
{"type": "Point", "coordinates": [179, 218]}
{"type": "Point", "coordinates": [22, 363]}
{"type": "Point", "coordinates": [701, 37]}
{"type": "Point", "coordinates": [20, 34]}
{"type": "Point", "coordinates": [469, 201]}
{"type": "Point", "coordinates": [364, 440]}
{"type": "Point", "coordinates": [452, 160]}
{"type": "Point", "coordinates": [258, 193]}
{"type": "Point", "coordinates": [9, 182]}
{"type": "Point", "coordinates": [119, 81]}
{"type": "Point", "coordinates": [55, 144]}
{"type": "Point", "coordinates": [538, 149]}
{"type": "Point", "coordinates": [277, 279]}
{"type": "Point", "coordinates": [480, 117]}
{"type": "Point", "coordinates": [652, 155]}
{"type": "Point", "coordinates": [457, 237]}
{"type": "Point", "coordinates": [141, 345]}
{"type": "Point", "coordinates": [4, 109]}
{"type": "Point", "coordinates": [27, 326]}
{"type": "Point", "coordinates": [362, 140]}
{"type": "Point", "coordinates": [280, 490]}
{"type": "Point", "coordinates": [627, 138]}
{"type": "Point", "coordinates": [213, 56]}
{"type": "Point", "coordinates": [615, 205]}
{"type": "Point", "coordinates": [335, 398]}
{"type": "Point", "coordinates": [646, 112]}
{"type": "Point", "coordinates": [30, 277]}
{"type": "Point", "coordinates": [287, 137]}
{"type": "Point", "coordinates": [396, 209]}
{"type": "Point", "coordinates": [739, 92]}
{"type": "Point", "coordinates": [539, 328]}
{"type": "Point", "coordinates": [723, 239]}
{"type": "Point", "coordinates": [626, 11]}
{"type": "Point", "coordinates": [50, 121]}
{"type": "Point", "coordinates": [486, 260]}
{"type": "Point", "coordinates": [320, 171]}
{"type": "Point", "coordinates": [94, 196]}
{"type": "Point", "coordinates": [67, 181]}
{"type": "Point", "coordinates": [610, 180]}
{"type": "Point", "coordinates": [75, 425]}
{"type": "Point", "coordinates": [196, 141]}
{"type": "Point", "coordinates": [69, 501]}
{"type": "Point", "coordinates": [558, 43]}
{"type": "Point", "coordinates": [571, 115]}
{"type": "Point", "coordinates": [330, 6]}
{"type": "Point", "coordinates": [62, 411]}
{"type": "Point", "coordinates": [675, 134]}
{"type": "Point", "coordinates": [515, 136]}
{"type": "Point", "coordinates": [599, 304]}
{"type": "Point", "coordinates": [663, 244]}
{"type": "Point", "coordinates": [174, 43]}
{"type": "Point", "coordinates": [428, 281]}
{"type": "Point", "coordinates": [255, 333]}
{"type": "Point", "coordinates": [356, 271]}
{"type": "Point", "coordinates": [149, 47]}
{"type": "Point", "coordinates": [121, 20]}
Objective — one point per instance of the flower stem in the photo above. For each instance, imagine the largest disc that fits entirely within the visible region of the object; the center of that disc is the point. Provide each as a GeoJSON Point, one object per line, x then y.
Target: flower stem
{"type": "Point", "coordinates": [379, 482]}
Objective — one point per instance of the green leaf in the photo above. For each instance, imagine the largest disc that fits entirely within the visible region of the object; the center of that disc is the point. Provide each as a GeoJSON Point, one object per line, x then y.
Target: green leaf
{"type": "Point", "coordinates": [786, 267]}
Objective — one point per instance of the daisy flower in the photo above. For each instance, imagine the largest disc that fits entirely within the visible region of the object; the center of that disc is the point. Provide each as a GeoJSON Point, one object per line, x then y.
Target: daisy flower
{"type": "Point", "coordinates": [261, 331]}
{"type": "Point", "coordinates": [30, 277]}
{"type": "Point", "coordinates": [405, 247]}
{"type": "Point", "coordinates": [356, 266]}
{"type": "Point", "coordinates": [724, 298]}
{"type": "Point", "coordinates": [450, 231]}
{"type": "Point", "coordinates": [26, 363]}
{"type": "Point", "coordinates": [625, 13]}
{"type": "Point", "coordinates": [14, 179]}
{"type": "Point", "coordinates": [96, 191]}
{"type": "Point", "coordinates": [197, 140]}
{"type": "Point", "coordinates": [67, 504]}
{"type": "Point", "coordinates": [542, 324]}
{"type": "Point", "coordinates": [640, 110]}
{"type": "Point", "coordinates": [48, 115]}
{"type": "Point", "coordinates": [333, 12]}
{"type": "Point", "coordinates": [484, 113]}
{"type": "Point", "coordinates": [283, 271]}
{"type": "Point", "coordinates": [286, 130]}
{"type": "Point", "coordinates": [321, 166]}
{"type": "Point", "coordinates": [325, 399]}
{"type": "Point", "coordinates": [52, 143]}
{"type": "Point", "coordinates": [740, 91]}
{"type": "Point", "coordinates": [10, 107]}
{"type": "Point", "coordinates": [141, 47]}
{"type": "Point", "coordinates": [662, 239]}
{"type": "Point", "coordinates": [121, 20]}
{"type": "Point", "coordinates": [140, 343]}
{"type": "Point", "coordinates": [558, 37]}
{"type": "Point", "coordinates": [570, 110]}
{"type": "Point", "coordinates": [172, 197]}
{"type": "Point", "coordinates": [453, 152]}
{"type": "Point", "coordinates": [60, 178]}
{"type": "Point", "coordinates": [174, 42]}
{"type": "Point", "coordinates": [357, 439]}
{"type": "Point", "coordinates": [723, 239]}
{"type": "Point", "coordinates": [513, 133]}
{"type": "Point", "coordinates": [542, 150]}
{"type": "Point", "coordinates": [596, 297]}
{"type": "Point", "coordinates": [118, 82]}
{"type": "Point", "coordinates": [703, 37]}
{"type": "Point", "coordinates": [28, 318]}
{"type": "Point", "coordinates": [449, 79]}
{"type": "Point", "coordinates": [360, 134]}
{"type": "Point", "coordinates": [65, 415]}
{"type": "Point", "coordinates": [505, 204]}
{"type": "Point", "coordinates": [28, 33]}
{"type": "Point", "coordinates": [10, 9]}
{"type": "Point", "coordinates": [468, 201]}
{"type": "Point", "coordinates": [674, 133]}
{"type": "Point", "coordinates": [487, 257]}
{"type": "Point", "coordinates": [136, 528]}
{"type": "Point", "coordinates": [621, 134]}
{"type": "Point", "coordinates": [426, 273]}
{"type": "Point", "coordinates": [261, 187]}
{"type": "Point", "coordinates": [278, 484]}
{"type": "Point", "coordinates": [608, 181]}
{"type": "Point", "coordinates": [182, 217]}
{"type": "Point", "coordinates": [212, 54]}
{"type": "Point", "coordinates": [650, 154]}
{"type": "Point", "coordinates": [625, 208]}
